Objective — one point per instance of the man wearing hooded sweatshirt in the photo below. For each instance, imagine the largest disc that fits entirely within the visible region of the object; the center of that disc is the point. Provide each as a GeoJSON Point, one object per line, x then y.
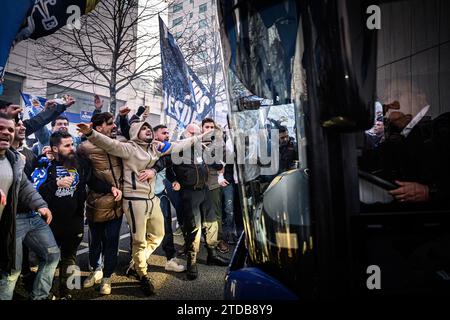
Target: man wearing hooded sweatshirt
{"type": "Point", "coordinates": [142, 207]}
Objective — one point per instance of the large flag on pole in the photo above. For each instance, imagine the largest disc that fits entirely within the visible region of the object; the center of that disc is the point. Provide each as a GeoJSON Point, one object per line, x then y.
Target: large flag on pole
{"type": "Point", "coordinates": [23, 19]}
{"type": "Point", "coordinates": [185, 97]}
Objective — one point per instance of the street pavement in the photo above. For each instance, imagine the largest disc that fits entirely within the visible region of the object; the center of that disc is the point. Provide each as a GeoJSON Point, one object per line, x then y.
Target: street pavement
{"type": "Point", "coordinates": [169, 285]}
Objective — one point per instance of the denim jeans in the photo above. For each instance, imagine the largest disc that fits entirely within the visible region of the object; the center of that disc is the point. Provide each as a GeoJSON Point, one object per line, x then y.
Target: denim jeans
{"type": "Point", "coordinates": [104, 241]}
{"type": "Point", "coordinates": [32, 230]}
{"type": "Point", "coordinates": [175, 200]}
{"type": "Point", "coordinates": [167, 243]}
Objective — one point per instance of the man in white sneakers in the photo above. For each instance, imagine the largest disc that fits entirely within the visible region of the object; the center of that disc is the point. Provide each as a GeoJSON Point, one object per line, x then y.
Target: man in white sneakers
{"type": "Point", "coordinates": [103, 210]}
{"type": "Point", "coordinates": [142, 207]}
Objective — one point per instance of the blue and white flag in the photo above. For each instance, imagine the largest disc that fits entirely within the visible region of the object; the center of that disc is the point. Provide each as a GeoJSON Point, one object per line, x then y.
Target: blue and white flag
{"type": "Point", "coordinates": [185, 97]}
{"type": "Point", "coordinates": [23, 19]}
{"type": "Point", "coordinates": [13, 14]}
{"type": "Point", "coordinates": [33, 104]}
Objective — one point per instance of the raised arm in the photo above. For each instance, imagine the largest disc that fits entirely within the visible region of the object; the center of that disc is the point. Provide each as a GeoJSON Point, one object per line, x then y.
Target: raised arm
{"type": "Point", "coordinates": [181, 145]}
{"type": "Point", "coordinates": [124, 124]}
{"type": "Point", "coordinates": [43, 118]}
{"type": "Point", "coordinates": [48, 115]}
{"type": "Point", "coordinates": [113, 147]}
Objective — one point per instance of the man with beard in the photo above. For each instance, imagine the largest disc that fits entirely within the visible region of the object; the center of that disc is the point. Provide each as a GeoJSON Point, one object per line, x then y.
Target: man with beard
{"type": "Point", "coordinates": [103, 210]}
{"type": "Point", "coordinates": [65, 192]}
{"type": "Point", "coordinates": [215, 193]}
{"type": "Point", "coordinates": [288, 150]}
{"type": "Point", "coordinates": [142, 207]}
{"type": "Point", "coordinates": [25, 226]}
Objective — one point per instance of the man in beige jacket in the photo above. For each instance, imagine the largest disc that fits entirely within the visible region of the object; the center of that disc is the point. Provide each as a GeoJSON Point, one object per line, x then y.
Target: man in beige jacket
{"type": "Point", "coordinates": [141, 206]}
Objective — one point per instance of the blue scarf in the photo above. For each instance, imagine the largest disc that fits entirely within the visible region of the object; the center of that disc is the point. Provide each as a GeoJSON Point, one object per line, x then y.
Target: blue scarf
{"type": "Point", "coordinates": [39, 175]}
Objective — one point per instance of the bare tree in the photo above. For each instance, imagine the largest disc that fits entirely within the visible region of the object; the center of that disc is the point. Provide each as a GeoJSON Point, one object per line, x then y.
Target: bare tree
{"type": "Point", "coordinates": [157, 88]}
{"type": "Point", "coordinates": [200, 44]}
{"type": "Point", "coordinates": [102, 50]}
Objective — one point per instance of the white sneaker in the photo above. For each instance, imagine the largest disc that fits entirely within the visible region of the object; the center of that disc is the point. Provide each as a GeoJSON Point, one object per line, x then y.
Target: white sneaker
{"type": "Point", "coordinates": [174, 265]}
{"type": "Point", "coordinates": [93, 278]}
{"type": "Point", "coordinates": [105, 286]}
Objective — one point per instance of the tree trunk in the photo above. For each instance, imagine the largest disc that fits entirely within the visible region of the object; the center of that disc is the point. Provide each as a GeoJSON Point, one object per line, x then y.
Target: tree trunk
{"type": "Point", "coordinates": [113, 102]}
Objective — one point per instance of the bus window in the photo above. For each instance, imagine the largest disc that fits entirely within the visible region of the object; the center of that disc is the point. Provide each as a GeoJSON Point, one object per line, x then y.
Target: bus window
{"type": "Point", "coordinates": [269, 136]}
{"type": "Point", "coordinates": [403, 160]}
{"type": "Point", "coordinates": [408, 147]}
{"type": "Point", "coordinates": [353, 196]}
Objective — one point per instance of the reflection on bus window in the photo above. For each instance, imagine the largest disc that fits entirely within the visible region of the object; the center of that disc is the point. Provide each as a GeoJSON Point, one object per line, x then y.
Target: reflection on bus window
{"type": "Point", "coordinates": [408, 149]}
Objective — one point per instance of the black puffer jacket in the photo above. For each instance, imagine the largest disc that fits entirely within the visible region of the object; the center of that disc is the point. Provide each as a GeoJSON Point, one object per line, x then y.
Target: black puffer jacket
{"type": "Point", "coordinates": [193, 172]}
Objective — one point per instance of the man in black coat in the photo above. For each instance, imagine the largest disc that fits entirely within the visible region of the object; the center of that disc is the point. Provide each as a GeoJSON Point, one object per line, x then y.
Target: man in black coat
{"type": "Point", "coordinates": [65, 192]}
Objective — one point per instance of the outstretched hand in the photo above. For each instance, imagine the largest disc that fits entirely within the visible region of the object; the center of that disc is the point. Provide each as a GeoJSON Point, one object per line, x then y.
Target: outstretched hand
{"type": "Point", "coordinates": [84, 128]}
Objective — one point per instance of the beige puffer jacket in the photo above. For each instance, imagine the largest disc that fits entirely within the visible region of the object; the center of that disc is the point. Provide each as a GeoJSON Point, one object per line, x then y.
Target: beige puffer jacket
{"type": "Point", "coordinates": [102, 207]}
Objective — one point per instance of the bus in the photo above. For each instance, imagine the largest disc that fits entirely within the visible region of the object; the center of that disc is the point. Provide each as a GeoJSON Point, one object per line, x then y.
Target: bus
{"type": "Point", "coordinates": [355, 199]}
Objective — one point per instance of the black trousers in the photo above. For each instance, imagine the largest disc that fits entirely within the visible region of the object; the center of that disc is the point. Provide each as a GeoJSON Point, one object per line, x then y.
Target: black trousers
{"type": "Point", "coordinates": [68, 246]}
{"type": "Point", "coordinates": [198, 216]}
